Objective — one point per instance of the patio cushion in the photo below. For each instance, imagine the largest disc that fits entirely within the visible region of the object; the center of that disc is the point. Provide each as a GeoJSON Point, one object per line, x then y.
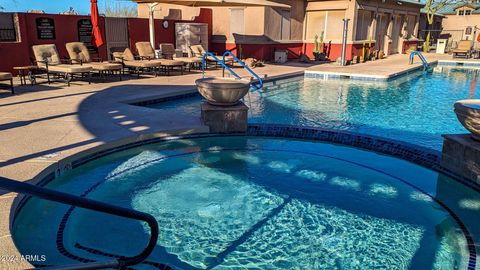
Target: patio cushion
{"type": "Point", "coordinates": [188, 59]}
{"type": "Point", "coordinates": [464, 45]}
{"type": "Point", "coordinates": [128, 55]}
{"type": "Point", "coordinates": [142, 63]}
{"type": "Point", "coordinates": [78, 51]}
{"type": "Point", "coordinates": [167, 50]}
{"type": "Point", "coordinates": [47, 52]}
{"type": "Point", "coordinates": [5, 76]}
{"type": "Point", "coordinates": [104, 66]}
{"type": "Point", "coordinates": [168, 62]}
{"type": "Point", "coordinates": [117, 56]}
{"type": "Point", "coordinates": [198, 50]}
{"type": "Point", "coordinates": [64, 68]}
{"type": "Point", "coordinates": [145, 49]}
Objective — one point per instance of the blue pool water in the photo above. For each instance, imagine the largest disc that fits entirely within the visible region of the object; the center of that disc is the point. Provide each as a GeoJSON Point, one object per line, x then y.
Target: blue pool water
{"type": "Point", "coordinates": [415, 109]}
{"type": "Point", "coordinates": [258, 203]}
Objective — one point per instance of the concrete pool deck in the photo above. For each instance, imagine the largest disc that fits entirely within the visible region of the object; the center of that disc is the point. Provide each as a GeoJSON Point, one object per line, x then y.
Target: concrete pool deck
{"type": "Point", "coordinates": [45, 126]}
{"type": "Point", "coordinates": [383, 69]}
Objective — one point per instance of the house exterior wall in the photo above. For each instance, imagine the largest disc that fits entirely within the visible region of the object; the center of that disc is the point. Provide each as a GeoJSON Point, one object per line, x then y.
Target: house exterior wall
{"type": "Point", "coordinates": [261, 32]}
{"type": "Point", "coordinates": [387, 21]}
{"type": "Point", "coordinates": [456, 26]}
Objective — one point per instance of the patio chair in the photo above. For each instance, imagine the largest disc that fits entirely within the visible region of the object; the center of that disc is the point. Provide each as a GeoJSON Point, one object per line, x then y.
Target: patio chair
{"type": "Point", "coordinates": [199, 51]}
{"type": "Point", "coordinates": [145, 51]}
{"type": "Point", "coordinates": [130, 61]}
{"type": "Point", "coordinates": [168, 52]}
{"type": "Point", "coordinates": [464, 48]}
{"type": "Point", "coordinates": [48, 59]}
{"type": "Point", "coordinates": [79, 54]}
{"type": "Point", "coordinates": [7, 76]}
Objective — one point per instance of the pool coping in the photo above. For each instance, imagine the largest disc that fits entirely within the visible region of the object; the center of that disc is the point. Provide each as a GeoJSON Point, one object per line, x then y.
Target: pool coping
{"type": "Point", "coordinates": [62, 165]}
{"type": "Point", "coordinates": [421, 156]}
{"type": "Point", "coordinates": [314, 74]}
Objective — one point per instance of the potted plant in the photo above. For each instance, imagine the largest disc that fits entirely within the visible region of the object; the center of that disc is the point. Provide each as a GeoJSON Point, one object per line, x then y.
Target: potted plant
{"type": "Point", "coordinates": [318, 48]}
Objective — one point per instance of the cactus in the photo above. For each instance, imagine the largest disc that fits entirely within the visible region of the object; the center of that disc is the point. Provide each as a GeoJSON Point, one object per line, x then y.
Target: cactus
{"type": "Point", "coordinates": [363, 50]}
{"type": "Point", "coordinates": [318, 44]}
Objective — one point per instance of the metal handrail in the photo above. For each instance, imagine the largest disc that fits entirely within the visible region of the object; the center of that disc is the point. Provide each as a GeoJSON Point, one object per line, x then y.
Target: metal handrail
{"type": "Point", "coordinates": [260, 81]}
{"type": "Point", "coordinates": [204, 58]}
{"type": "Point", "coordinates": [422, 58]}
{"type": "Point", "coordinates": [65, 198]}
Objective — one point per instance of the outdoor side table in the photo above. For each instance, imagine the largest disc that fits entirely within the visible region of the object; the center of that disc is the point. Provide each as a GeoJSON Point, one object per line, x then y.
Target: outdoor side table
{"type": "Point", "coordinates": [26, 71]}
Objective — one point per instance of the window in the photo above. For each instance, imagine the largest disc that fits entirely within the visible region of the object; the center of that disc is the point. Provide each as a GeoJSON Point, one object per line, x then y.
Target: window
{"type": "Point", "coordinates": [334, 30]}
{"type": "Point", "coordinates": [460, 12]}
{"type": "Point", "coordinates": [364, 25]}
{"type": "Point", "coordinates": [285, 27]}
{"type": "Point", "coordinates": [315, 24]}
{"type": "Point", "coordinates": [237, 21]}
{"type": "Point", "coordinates": [329, 22]}
{"type": "Point", "coordinates": [8, 33]}
{"type": "Point", "coordinates": [468, 12]}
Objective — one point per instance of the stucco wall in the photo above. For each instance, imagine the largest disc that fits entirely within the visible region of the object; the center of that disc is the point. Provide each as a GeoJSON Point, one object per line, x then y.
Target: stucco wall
{"type": "Point", "coordinates": [457, 24]}
{"type": "Point", "coordinates": [170, 12]}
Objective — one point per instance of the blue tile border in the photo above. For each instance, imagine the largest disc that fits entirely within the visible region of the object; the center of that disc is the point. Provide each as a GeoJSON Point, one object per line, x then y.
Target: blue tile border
{"type": "Point", "coordinates": [416, 154]}
{"type": "Point", "coordinates": [335, 76]}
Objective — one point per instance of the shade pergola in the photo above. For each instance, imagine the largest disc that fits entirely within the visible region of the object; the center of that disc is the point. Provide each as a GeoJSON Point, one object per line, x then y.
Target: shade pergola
{"type": "Point", "coordinates": [203, 3]}
{"type": "Point", "coordinates": [217, 3]}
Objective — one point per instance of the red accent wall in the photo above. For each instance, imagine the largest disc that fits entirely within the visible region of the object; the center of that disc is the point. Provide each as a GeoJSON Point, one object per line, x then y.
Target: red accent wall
{"type": "Point", "coordinates": [21, 54]}
{"type": "Point", "coordinates": [266, 51]}
{"type": "Point", "coordinates": [65, 30]}
{"type": "Point", "coordinates": [259, 51]}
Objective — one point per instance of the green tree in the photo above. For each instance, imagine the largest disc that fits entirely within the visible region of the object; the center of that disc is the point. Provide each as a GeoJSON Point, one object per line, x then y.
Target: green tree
{"type": "Point", "coordinates": [432, 7]}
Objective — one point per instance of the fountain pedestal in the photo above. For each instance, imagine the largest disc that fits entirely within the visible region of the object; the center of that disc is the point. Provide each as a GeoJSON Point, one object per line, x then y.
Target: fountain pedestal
{"type": "Point", "coordinates": [461, 155]}
{"type": "Point", "coordinates": [225, 119]}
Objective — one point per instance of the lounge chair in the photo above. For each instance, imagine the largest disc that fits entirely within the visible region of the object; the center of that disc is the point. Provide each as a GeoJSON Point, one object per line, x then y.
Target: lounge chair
{"type": "Point", "coordinates": [145, 51]}
{"type": "Point", "coordinates": [128, 60]}
{"type": "Point", "coordinates": [79, 54]}
{"type": "Point", "coordinates": [7, 76]}
{"type": "Point", "coordinates": [48, 59]}
{"type": "Point", "coordinates": [168, 52]}
{"type": "Point", "coordinates": [464, 48]}
{"type": "Point", "coordinates": [199, 51]}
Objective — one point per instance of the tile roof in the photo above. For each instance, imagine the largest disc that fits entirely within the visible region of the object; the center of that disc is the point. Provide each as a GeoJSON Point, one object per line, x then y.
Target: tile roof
{"type": "Point", "coordinates": [450, 8]}
{"type": "Point", "coordinates": [412, 2]}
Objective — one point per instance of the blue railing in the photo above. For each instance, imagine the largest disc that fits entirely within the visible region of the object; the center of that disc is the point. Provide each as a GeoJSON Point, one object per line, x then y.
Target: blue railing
{"type": "Point", "coordinates": [65, 198]}
{"type": "Point", "coordinates": [422, 58]}
{"type": "Point", "coordinates": [204, 61]}
{"type": "Point", "coordinates": [260, 81]}
{"type": "Point", "coordinates": [257, 86]}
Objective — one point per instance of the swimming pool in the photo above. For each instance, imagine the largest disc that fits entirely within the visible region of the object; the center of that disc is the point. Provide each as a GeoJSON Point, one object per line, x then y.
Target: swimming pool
{"type": "Point", "coordinates": [417, 108]}
{"type": "Point", "coordinates": [238, 202]}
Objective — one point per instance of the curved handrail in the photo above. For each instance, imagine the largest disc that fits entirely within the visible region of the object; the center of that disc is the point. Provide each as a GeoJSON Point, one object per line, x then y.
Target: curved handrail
{"type": "Point", "coordinates": [422, 58]}
{"type": "Point", "coordinates": [260, 81]}
{"type": "Point", "coordinates": [204, 58]}
{"type": "Point", "coordinates": [65, 198]}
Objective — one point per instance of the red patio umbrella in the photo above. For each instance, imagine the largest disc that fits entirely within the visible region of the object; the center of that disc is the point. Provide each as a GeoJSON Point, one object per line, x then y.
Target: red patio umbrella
{"type": "Point", "coordinates": [97, 38]}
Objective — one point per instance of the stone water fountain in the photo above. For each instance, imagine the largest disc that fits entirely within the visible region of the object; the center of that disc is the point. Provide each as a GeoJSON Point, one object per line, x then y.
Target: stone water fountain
{"type": "Point", "coordinates": [461, 152]}
{"type": "Point", "coordinates": [223, 111]}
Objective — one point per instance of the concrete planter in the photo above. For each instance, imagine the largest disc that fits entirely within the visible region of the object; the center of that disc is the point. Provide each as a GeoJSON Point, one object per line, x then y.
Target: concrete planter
{"type": "Point", "coordinates": [468, 113]}
{"type": "Point", "coordinates": [222, 91]}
